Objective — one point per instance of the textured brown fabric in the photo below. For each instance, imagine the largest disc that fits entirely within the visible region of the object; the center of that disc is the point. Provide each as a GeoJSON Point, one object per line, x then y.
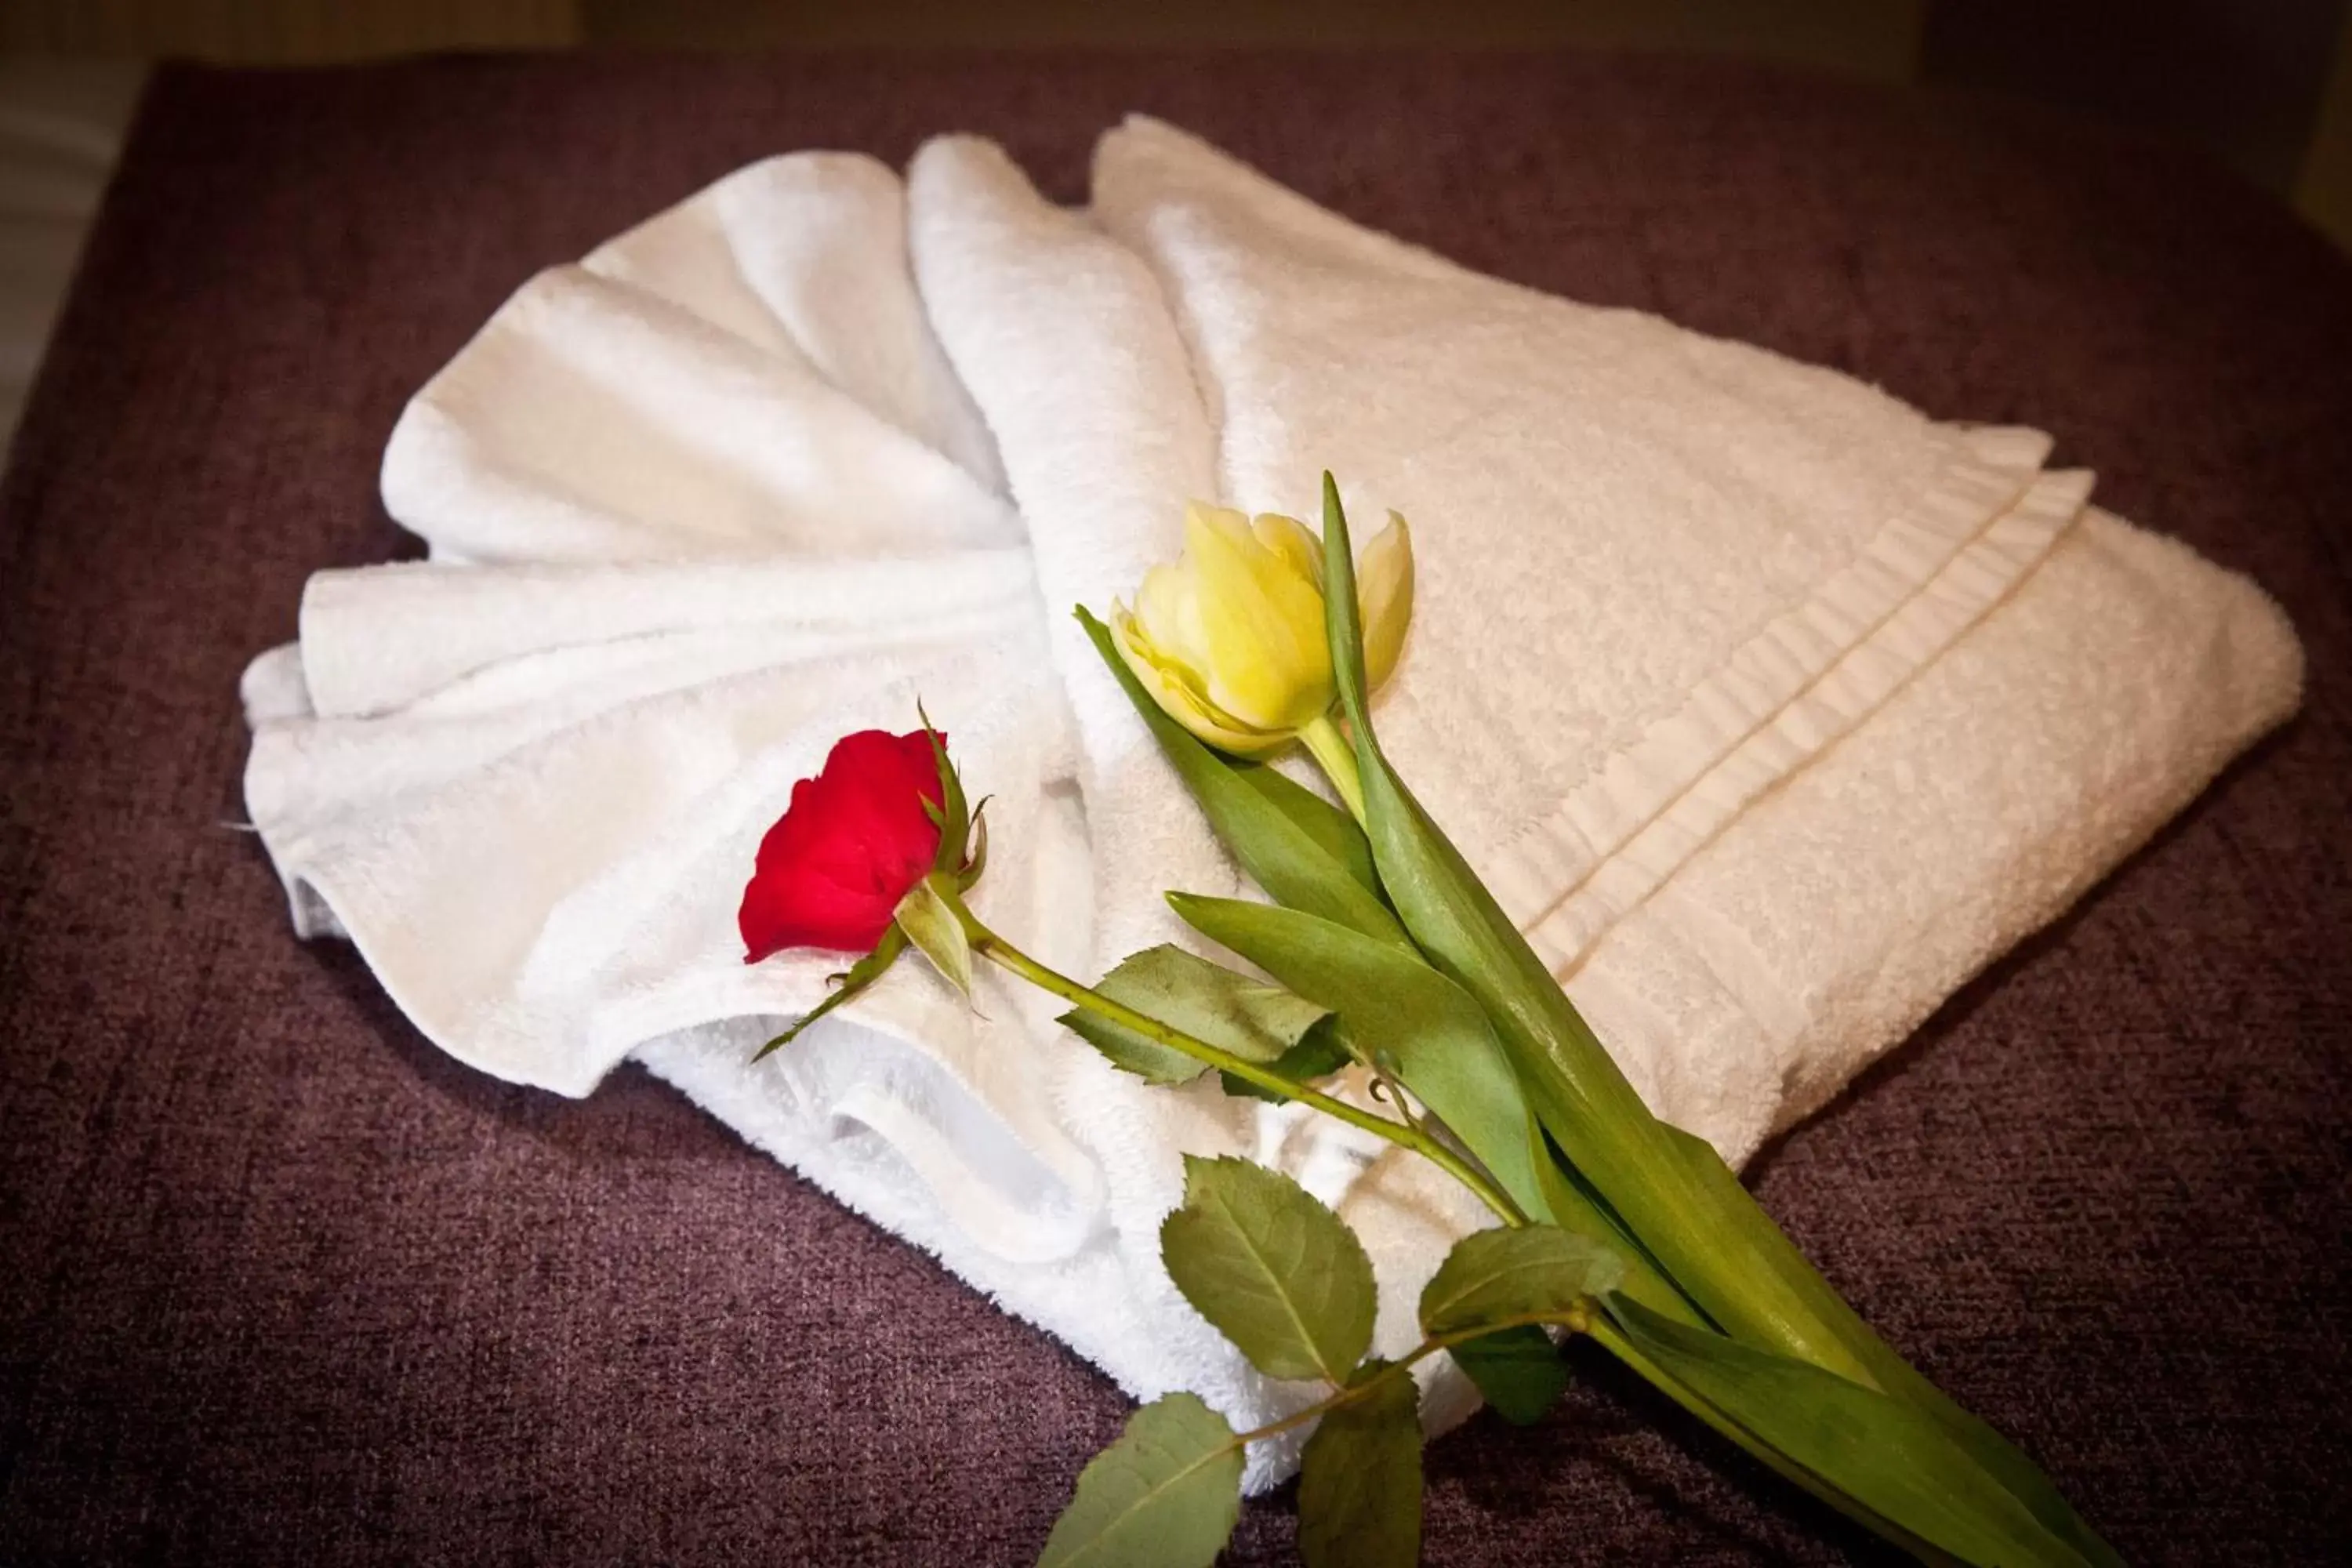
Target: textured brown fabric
{"type": "Point", "coordinates": [278, 1283]}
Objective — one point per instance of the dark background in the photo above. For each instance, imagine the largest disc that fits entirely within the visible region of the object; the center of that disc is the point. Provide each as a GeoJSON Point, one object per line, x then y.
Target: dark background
{"type": "Point", "coordinates": [2264, 86]}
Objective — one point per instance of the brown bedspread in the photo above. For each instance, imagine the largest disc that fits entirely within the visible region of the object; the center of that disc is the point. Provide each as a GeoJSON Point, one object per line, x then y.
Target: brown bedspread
{"type": "Point", "coordinates": [278, 1283]}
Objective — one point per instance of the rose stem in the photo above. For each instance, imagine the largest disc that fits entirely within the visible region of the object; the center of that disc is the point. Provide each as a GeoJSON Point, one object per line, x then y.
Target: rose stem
{"type": "Point", "coordinates": [1003, 954]}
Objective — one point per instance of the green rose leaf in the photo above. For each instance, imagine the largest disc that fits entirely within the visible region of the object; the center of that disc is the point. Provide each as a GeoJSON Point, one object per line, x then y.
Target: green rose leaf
{"type": "Point", "coordinates": [1164, 1496]}
{"type": "Point", "coordinates": [1359, 1480]}
{"type": "Point", "coordinates": [1518, 1370]}
{"type": "Point", "coordinates": [1320, 1052]}
{"type": "Point", "coordinates": [1275, 1271]}
{"type": "Point", "coordinates": [1494, 1276]}
{"type": "Point", "coordinates": [1252, 1019]}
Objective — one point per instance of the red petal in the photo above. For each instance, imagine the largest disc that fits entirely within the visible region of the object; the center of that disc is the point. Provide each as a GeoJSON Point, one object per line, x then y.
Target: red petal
{"type": "Point", "coordinates": [788, 909]}
{"type": "Point", "coordinates": [830, 872]}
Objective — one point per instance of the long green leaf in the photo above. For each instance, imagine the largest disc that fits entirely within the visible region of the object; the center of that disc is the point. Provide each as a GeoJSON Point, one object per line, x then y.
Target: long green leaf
{"type": "Point", "coordinates": [1575, 1208]}
{"type": "Point", "coordinates": [1259, 823]}
{"type": "Point", "coordinates": [1333, 830]}
{"type": "Point", "coordinates": [1272, 1268]}
{"type": "Point", "coordinates": [1255, 1021]}
{"type": "Point", "coordinates": [1886, 1454]}
{"type": "Point", "coordinates": [1360, 1480]}
{"type": "Point", "coordinates": [1436, 1038]}
{"type": "Point", "coordinates": [1992, 1451]}
{"type": "Point", "coordinates": [1714, 1252]}
{"type": "Point", "coordinates": [1164, 1496]}
{"type": "Point", "coordinates": [1684, 1211]}
{"type": "Point", "coordinates": [1692, 1214]}
{"type": "Point", "coordinates": [1407, 1016]}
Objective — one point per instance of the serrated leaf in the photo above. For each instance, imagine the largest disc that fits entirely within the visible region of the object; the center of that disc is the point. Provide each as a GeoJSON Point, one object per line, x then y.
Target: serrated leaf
{"type": "Point", "coordinates": [1274, 1270]}
{"type": "Point", "coordinates": [1493, 1275]}
{"type": "Point", "coordinates": [1883, 1454]}
{"type": "Point", "coordinates": [1359, 1480]}
{"type": "Point", "coordinates": [932, 926]}
{"type": "Point", "coordinates": [1519, 1370]}
{"type": "Point", "coordinates": [1165, 1495]}
{"type": "Point", "coordinates": [1320, 1052]}
{"type": "Point", "coordinates": [1402, 1014]}
{"type": "Point", "coordinates": [1146, 1058]}
{"type": "Point", "coordinates": [1254, 1020]}
{"type": "Point", "coordinates": [1254, 820]}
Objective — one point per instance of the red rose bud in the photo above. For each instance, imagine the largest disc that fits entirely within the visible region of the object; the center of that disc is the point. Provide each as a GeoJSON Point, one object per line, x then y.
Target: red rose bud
{"type": "Point", "coordinates": [831, 872]}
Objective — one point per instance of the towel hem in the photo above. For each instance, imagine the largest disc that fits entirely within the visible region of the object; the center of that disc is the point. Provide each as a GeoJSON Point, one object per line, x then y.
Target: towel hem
{"type": "Point", "coordinates": [1780, 700]}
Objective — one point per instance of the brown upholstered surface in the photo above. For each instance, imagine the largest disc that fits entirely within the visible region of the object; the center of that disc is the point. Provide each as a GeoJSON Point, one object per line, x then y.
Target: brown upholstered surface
{"type": "Point", "coordinates": [277, 1283]}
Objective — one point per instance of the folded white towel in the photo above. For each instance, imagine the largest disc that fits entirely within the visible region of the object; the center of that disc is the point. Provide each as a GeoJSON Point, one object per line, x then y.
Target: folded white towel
{"type": "Point", "coordinates": [1670, 572]}
{"type": "Point", "coordinates": [1798, 736]}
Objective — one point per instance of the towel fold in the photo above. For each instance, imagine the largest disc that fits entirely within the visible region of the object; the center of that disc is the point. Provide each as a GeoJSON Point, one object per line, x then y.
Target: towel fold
{"type": "Point", "coordinates": [1772, 708]}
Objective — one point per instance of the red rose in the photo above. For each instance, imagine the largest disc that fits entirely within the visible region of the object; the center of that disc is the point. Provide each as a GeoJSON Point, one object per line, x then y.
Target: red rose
{"type": "Point", "coordinates": [831, 872]}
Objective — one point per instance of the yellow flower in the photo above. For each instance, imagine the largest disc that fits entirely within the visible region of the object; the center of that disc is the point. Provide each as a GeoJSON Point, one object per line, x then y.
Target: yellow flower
{"type": "Point", "coordinates": [1229, 639]}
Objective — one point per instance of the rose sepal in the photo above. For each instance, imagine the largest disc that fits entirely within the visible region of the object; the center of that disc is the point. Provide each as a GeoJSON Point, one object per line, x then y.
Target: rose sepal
{"type": "Point", "coordinates": [845, 986]}
{"type": "Point", "coordinates": [931, 916]}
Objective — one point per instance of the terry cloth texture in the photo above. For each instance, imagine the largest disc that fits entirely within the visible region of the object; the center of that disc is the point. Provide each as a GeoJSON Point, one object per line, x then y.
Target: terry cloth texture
{"type": "Point", "coordinates": [290, 1285]}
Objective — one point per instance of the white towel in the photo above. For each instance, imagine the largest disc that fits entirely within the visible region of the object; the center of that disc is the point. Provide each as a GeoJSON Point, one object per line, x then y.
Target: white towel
{"type": "Point", "coordinates": [526, 777]}
{"type": "Point", "coordinates": [719, 495]}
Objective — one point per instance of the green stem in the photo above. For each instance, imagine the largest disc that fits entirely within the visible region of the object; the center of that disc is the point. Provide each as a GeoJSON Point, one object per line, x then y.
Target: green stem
{"type": "Point", "coordinates": [1584, 1317]}
{"type": "Point", "coordinates": [1607, 1335]}
{"type": "Point", "coordinates": [1336, 755]}
{"type": "Point", "coordinates": [1004, 955]}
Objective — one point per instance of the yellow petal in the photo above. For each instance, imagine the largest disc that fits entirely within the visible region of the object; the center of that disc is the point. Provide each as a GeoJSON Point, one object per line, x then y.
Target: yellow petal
{"type": "Point", "coordinates": [1268, 665]}
{"type": "Point", "coordinates": [1384, 597]}
{"type": "Point", "coordinates": [1165, 681]}
{"type": "Point", "coordinates": [1167, 605]}
{"type": "Point", "coordinates": [1289, 538]}
{"type": "Point", "coordinates": [1224, 519]}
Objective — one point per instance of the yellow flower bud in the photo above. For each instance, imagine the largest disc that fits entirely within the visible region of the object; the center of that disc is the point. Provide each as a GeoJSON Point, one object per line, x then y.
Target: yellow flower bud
{"type": "Point", "coordinates": [1229, 639]}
